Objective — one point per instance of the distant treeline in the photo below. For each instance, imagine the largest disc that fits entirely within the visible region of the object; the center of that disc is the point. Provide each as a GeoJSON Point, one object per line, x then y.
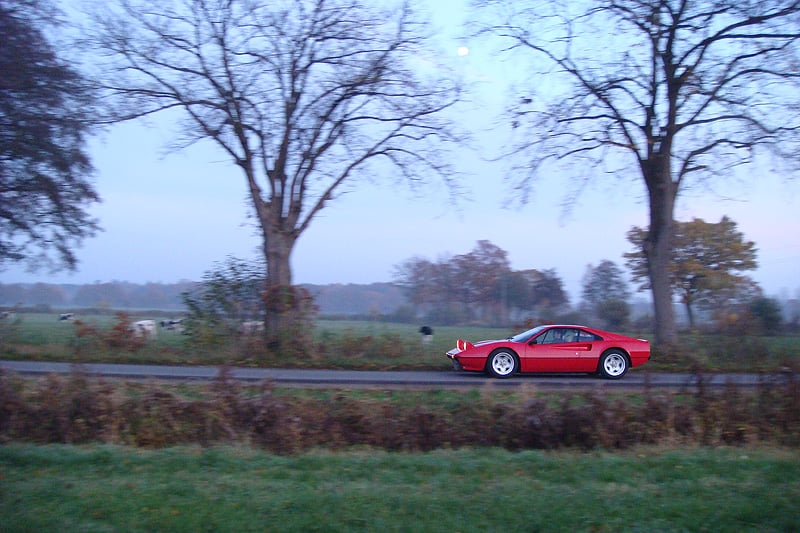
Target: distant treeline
{"type": "Point", "coordinates": [334, 299]}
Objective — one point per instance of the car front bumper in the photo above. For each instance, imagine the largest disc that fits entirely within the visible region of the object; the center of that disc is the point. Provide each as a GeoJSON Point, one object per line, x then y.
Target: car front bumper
{"type": "Point", "coordinates": [452, 355]}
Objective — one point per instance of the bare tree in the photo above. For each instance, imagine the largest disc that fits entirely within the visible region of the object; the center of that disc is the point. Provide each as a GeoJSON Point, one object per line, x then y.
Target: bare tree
{"type": "Point", "coordinates": [606, 293]}
{"type": "Point", "coordinates": [547, 290]}
{"type": "Point", "coordinates": [671, 91]}
{"type": "Point", "coordinates": [603, 282]}
{"type": "Point", "coordinates": [418, 278]}
{"type": "Point", "coordinates": [302, 95]}
{"type": "Point", "coordinates": [479, 284]}
{"type": "Point", "coordinates": [480, 274]}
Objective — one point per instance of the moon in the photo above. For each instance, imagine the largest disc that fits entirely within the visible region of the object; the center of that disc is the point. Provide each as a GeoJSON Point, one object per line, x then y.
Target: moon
{"type": "Point", "coordinates": [462, 51]}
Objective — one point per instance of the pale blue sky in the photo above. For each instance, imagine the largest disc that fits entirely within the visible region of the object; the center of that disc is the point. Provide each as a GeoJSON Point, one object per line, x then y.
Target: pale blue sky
{"type": "Point", "coordinates": [170, 218]}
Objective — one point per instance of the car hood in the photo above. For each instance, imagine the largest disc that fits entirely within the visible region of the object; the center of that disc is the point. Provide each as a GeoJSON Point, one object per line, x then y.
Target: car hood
{"type": "Point", "coordinates": [464, 345]}
{"type": "Point", "coordinates": [483, 343]}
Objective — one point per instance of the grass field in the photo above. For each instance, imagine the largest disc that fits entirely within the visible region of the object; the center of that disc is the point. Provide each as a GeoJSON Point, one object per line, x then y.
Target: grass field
{"type": "Point", "coordinates": [362, 345]}
{"type": "Point", "coordinates": [113, 488]}
{"type": "Point", "coordinates": [42, 336]}
{"type": "Point", "coordinates": [102, 488]}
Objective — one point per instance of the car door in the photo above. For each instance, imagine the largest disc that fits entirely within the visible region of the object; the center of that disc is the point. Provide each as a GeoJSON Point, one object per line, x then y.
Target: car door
{"type": "Point", "coordinates": [555, 350]}
{"type": "Point", "coordinates": [588, 347]}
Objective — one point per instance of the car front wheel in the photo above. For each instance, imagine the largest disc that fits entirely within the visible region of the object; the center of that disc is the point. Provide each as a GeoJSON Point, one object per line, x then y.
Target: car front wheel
{"type": "Point", "coordinates": [613, 364]}
{"type": "Point", "coordinates": [502, 364]}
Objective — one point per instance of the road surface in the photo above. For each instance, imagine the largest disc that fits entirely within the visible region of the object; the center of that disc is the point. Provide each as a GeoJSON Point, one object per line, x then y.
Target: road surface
{"type": "Point", "coordinates": [423, 379]}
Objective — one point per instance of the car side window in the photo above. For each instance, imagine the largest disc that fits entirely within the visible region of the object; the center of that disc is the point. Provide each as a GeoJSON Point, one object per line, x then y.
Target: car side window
{"type": "Point", "coordinates": [585, 336]}
{"type": "Point", "coordinates": [555, 336]}
{"type": "Point", "coordinates": [548, 337]}
{"type": "Point", "coordinates": [565, 335]}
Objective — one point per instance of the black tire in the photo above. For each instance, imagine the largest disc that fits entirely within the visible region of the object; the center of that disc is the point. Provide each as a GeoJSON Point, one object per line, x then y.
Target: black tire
{"type": "Point", "coordinates": [502, 363]}
{"type": "Point", "coordinates": [613, 364]}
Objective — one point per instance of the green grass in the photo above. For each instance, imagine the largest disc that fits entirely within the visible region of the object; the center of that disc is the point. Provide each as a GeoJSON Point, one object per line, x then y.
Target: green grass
{"type": "Point", "coordinates": [444, 337]}
{"type": "Point", "coordinates": [365, 345]}
{"type": "Point", "coordinates": [103, 488]}
{"type": "Point", "coordinates": [41, 336]}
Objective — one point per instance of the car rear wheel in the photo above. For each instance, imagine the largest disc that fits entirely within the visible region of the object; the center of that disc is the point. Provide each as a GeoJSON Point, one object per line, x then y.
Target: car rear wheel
{"type": "Point", "coordinates": [502, 364]}
{"type": "Point", "coordinates": [613, 364]}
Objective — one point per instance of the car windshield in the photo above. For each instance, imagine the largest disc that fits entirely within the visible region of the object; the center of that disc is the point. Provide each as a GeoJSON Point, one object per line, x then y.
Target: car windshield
{"type": "Point", "coordinates": [525, 336]}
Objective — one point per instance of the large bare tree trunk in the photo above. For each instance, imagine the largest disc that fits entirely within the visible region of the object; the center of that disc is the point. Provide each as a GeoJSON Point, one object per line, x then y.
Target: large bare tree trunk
{"type": "Point", "coordinates": [690, 314]}
{"type": "Point", "coordinates": [280, 315]}
{"type": "Point", "coordinates": [658, 246]}
{"type": "Point", "coordinates": [281, 303]}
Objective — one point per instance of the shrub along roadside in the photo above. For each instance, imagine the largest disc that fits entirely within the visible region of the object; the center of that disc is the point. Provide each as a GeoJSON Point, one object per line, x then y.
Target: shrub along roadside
{"type": "Point", "coordinates": [79, 409]}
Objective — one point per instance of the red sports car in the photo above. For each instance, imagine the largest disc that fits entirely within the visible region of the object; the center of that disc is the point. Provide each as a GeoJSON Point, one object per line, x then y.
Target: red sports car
{"type": "Point", "coordinates": [553, 349]}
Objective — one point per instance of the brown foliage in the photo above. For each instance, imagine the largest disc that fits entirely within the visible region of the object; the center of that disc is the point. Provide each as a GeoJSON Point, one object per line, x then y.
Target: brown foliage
{"type": "Point", "coordinates": [76, 409]}
{"type": "Point", "coordinates": [119, 336]}
{"type": "Point", "coordinates": [73, 410]}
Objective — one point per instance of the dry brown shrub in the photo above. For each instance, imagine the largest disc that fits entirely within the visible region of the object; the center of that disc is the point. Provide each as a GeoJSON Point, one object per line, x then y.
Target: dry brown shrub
{"type": "Point", "coordinates": [89, 338]}
{"type": "Point", "coordinates": [77, 409]}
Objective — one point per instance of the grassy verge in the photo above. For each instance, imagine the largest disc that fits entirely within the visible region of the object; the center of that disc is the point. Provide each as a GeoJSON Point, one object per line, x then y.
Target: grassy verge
{"type": "Point", "coordinates": [367, 345]}
{"type": "Point", "coordinates": [105, 488]}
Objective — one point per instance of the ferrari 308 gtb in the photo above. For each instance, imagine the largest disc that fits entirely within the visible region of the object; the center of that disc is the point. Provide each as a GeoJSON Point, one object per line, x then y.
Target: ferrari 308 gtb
{"type": "Point", "coordinates": [554, 349]}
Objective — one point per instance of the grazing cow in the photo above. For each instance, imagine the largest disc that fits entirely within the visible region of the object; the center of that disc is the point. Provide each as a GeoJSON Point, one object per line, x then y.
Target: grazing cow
{"type": "Point", "coordinates": [66, 316]}
{"type": "Point", "coordinates": [143, 328]}
{"type": "Point", "coordinates": [252, 327]}
{"type": "Point", "coordinates": [174, 324]}
{"type": "Point", "coordinates": [427, 334]}
{"type": "Point", "coordinates": [10, 316]}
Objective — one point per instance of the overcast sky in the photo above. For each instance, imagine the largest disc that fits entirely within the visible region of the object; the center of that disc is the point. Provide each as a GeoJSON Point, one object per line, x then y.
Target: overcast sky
{"type": "Point", "coordinates": [168, 218]}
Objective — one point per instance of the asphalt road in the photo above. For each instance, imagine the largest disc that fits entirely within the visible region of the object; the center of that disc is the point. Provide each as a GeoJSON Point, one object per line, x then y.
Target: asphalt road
{"type": "Point", "coordinates": [635, 379]}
